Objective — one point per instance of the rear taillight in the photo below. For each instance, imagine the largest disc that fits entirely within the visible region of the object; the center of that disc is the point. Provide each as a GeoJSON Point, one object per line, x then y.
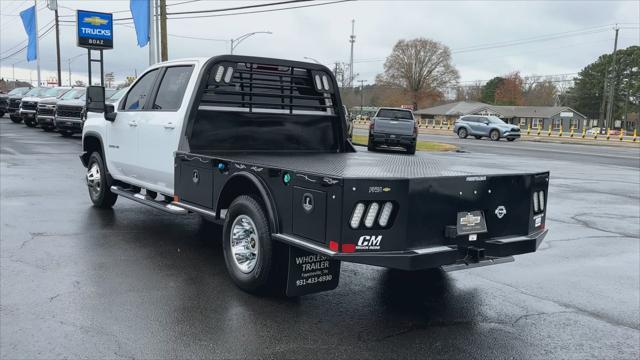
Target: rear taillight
{"type": "Point", "coordinates": [415, 130]}
{"type": "Point", "coordinates": [371, 214]}
{"type": "Point", "coordinates": [356, 216]}
{"type": "Point", "coordinates": [385, 214]}
{"type": "Point", "coordinates": [538, 201]}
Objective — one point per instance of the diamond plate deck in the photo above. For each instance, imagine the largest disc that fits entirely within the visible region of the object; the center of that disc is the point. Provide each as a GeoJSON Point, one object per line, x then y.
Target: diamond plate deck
{"type": "Point", "coordinates": [360, 164]}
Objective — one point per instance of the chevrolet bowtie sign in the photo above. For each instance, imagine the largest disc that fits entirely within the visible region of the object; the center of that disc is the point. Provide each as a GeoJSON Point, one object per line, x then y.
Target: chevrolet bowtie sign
{"type": "Point", "coordinates": [95, 29]}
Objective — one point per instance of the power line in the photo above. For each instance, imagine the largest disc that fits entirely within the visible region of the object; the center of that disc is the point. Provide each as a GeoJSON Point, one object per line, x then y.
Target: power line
{"type": "Point", "coordinates": [261, 11]}
{"type": "Point", "coordinates": [489, 46]}
{"type": "Point", "coordinates": [23, 48]}
{"type": "Point", "coordinates": [24, 41]}
{"type": "Point", "coordinates": [224, 9]}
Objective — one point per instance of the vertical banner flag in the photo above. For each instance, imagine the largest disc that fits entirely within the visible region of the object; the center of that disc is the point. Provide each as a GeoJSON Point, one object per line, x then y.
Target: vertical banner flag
{"type": "Point", "coordinates": [29, 22]}
{"type": "Point", "coordinates": [140, 13]}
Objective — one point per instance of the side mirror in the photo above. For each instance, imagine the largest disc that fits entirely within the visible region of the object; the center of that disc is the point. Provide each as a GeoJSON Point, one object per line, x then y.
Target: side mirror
{"type": "Point", "coordinates": [486, 122]}
{"type": "Point", "coordinates": [110, 112]}
{"type": "Point", "coordinates": [95, 99]}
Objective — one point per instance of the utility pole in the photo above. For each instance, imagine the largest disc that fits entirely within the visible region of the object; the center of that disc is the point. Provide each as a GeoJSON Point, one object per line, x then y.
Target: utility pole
{"type": "Point", "coordinates": [152, 35]}
{"type": "Point", "coordinates": [609, 121]}
{"type": "Point", "coordinates": [352, 40]}
{"type": "Point", "coordinates": [69, 63]}
{"type": "Point", "coordinates": [163, 31]}
{"type": "Point", "coordinates": [362, 96]}
{"type": "Point", "coordinates": [156, 10]}
{"type": "Point", "coordinates": [35, 4]}
{"type": "Point", "coordinates": [53, 5]}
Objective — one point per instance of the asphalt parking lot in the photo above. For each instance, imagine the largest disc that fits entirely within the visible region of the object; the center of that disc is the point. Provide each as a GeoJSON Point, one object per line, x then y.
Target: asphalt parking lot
{"type": "Point", "coordinates": [77, 282]}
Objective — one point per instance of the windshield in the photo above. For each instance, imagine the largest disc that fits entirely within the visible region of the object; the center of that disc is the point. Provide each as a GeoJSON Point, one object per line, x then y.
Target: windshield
{"type": "Point", "coordinates": [73, 94]}
{"type": "Point", "coordinates": [54, 92]}
{"type": "Point", "coordinates": [19, 91]}
{"type": "Point", "coordinates": [118, 94]}
{"type": "Point", "coordinates": [395, 114]}
{"type": "Point", "coordinates": [495, 120]}
{"type": "Point", "coordinates": [35, 92]}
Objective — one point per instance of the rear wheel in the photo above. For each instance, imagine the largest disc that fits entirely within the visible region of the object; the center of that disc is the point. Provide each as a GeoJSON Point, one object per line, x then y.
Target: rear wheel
{"type": "Point", "coordinates": [411, 149]}
{"type": "Point", "coordinates": [494, 135]}
{"type": "Point", "coordinates": [99, 192]}
{"type": "Point", "coordinates": [48, 128]}
{"type": "Point", "coordinates": [247, 246]}
{"type": "Point", "coordinates": [463, 133]}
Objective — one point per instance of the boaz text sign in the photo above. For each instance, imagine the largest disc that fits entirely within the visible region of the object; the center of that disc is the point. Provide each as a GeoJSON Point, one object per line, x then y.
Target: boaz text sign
{"type": "Point", "coordinates": [95, 30]}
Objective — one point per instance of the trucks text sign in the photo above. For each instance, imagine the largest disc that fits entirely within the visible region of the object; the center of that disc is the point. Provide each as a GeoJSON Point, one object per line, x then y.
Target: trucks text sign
{"type": "Point", "coordinates": [95, 29]}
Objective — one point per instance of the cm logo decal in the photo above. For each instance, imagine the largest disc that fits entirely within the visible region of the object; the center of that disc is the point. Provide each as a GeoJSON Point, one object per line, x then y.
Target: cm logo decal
{"type": "Point", "coordinates": [369, 242]}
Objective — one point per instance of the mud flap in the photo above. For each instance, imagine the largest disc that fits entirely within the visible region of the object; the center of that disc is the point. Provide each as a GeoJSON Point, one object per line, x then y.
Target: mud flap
{"type": "Point", "coordinates": [310, 273]}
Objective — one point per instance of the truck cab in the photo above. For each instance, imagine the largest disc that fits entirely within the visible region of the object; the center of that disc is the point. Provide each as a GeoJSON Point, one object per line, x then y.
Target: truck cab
{"type": "Point", "coordinates": [261, 146]}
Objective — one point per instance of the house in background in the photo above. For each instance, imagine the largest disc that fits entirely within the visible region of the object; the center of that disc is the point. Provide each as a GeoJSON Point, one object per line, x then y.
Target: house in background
{"type": "Point", "coordinates": [543, 117]}
{"type": "Point", "coordinates": [447, 113]}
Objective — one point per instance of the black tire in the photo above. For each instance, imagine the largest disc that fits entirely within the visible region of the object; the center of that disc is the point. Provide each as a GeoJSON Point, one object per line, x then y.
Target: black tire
{"type": "Point", "coordinates": [15, 119]}
{"type": "Point", "coordinates": [261, 276]}
{"type": "Point", "coordinates": [494, 135]}
{"type": "Point", "coordinates": [30, 123]}
{"type": "Point", "coordinates": [48, 128]}
{"type": "Point", "coordinates": [478, 137]}
{"type": "Point", "coordinates": [511, 139]}
{"type": "Point", "coordinates": [1, 114]}
{"type": "Point", "coordinates": [463, 133]}
{"type": "Point", "coordinates": [371, 146]}
{"type": "Point", "coordinates": [97, 184]}
{"type": "Point", "coordinates": [411, 149]}
{"type": "Point", "coordinates": [66, 133]}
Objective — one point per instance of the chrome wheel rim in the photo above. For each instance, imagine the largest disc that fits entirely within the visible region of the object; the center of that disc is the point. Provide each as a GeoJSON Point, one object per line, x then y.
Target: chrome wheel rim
{"type": "Point", "coordinates": [244, 243]}
{"type": "Point", "coordinates": [93, 179]}
{"type": "Point", "coordinates": [494, 135]}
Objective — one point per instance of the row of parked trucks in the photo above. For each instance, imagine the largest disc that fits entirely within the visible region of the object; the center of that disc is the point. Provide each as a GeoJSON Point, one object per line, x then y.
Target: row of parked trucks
{"type": "Point", "coordinates": [59, 109]}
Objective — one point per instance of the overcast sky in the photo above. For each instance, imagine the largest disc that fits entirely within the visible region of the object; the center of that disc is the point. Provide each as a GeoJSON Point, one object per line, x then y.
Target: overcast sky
{"type": "Point", "coordinates": [576, 33]}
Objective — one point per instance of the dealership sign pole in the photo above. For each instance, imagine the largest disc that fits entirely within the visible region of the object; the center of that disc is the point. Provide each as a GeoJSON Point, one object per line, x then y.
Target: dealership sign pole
{"type": "Point", "coordinates": [95, 32]}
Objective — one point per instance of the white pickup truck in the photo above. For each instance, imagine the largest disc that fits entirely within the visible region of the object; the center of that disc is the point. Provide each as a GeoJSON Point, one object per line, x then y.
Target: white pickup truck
{"type": "Point", "coordinates": [261, 145]}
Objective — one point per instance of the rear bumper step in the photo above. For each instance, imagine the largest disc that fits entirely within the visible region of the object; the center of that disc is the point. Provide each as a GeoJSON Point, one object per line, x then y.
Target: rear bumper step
{"type": "Point", "coordinates": [160, 205]}
{"type": "Point", "coordinates": [496, 251]}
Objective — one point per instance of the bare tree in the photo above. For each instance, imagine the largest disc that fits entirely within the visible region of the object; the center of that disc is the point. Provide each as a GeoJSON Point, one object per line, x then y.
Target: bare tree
{"type": "Point", "coordinates": [421, 67]}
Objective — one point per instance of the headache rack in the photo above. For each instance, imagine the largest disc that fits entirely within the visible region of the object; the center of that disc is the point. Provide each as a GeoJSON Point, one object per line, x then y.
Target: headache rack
{"type": "Point", "coordinates": [254, 87]}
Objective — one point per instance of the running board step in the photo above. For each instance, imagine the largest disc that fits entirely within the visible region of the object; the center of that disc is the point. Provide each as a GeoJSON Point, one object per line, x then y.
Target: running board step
{"type": "Point", "coordinates": [160, 205]}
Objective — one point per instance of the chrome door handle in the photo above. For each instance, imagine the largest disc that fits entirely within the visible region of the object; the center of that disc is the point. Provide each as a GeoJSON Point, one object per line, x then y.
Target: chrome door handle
{"type": "Point", "coordinates": [133, 123]}
{"type": "Point", "coordinates": [169, 125]}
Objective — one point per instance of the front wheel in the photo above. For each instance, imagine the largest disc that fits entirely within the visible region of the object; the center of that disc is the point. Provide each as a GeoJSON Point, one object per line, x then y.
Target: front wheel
{"type": "Point", "coordinates": [30, 123]}
{"type": "Point", "coordinates": [371, 146]}
{"type": "Point", "coordinates": [99, 192]}
{"type": "Point", "coordinates": [511, 139]}
{"type": "Point", "coordinates": [247, 246]}
{"type": "Point", "coordinates": [463, 133]}
{"type": "Point", "coordinates": [15, 119]}
{"type": "Point", "coordinates": [494, 135]}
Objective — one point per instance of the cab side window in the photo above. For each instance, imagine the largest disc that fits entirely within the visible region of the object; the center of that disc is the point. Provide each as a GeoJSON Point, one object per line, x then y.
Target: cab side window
{"type": "Point", "coordinates": [171, 91]}
{"type": "Point", "coordinates": [139, 93]}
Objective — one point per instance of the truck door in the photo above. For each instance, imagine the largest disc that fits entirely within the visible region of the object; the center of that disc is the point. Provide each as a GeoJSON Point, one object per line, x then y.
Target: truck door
{"type": "Point", "coordinates": [122, 151]}
{"type": "Point", "coordinates": [160, 133]}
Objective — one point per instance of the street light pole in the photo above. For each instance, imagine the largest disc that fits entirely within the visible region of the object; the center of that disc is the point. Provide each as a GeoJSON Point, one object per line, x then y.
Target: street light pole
{"type": "Point", "coordinates": [235, 42]}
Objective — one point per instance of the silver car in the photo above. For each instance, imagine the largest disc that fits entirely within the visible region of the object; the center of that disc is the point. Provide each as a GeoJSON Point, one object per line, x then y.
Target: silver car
{"type": "Point", "coordinates": [481, 126]}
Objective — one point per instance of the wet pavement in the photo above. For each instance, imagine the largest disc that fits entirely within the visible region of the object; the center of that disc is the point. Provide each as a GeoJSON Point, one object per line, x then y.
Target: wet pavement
{"type": "Point", "coordinates": [78, 282]}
